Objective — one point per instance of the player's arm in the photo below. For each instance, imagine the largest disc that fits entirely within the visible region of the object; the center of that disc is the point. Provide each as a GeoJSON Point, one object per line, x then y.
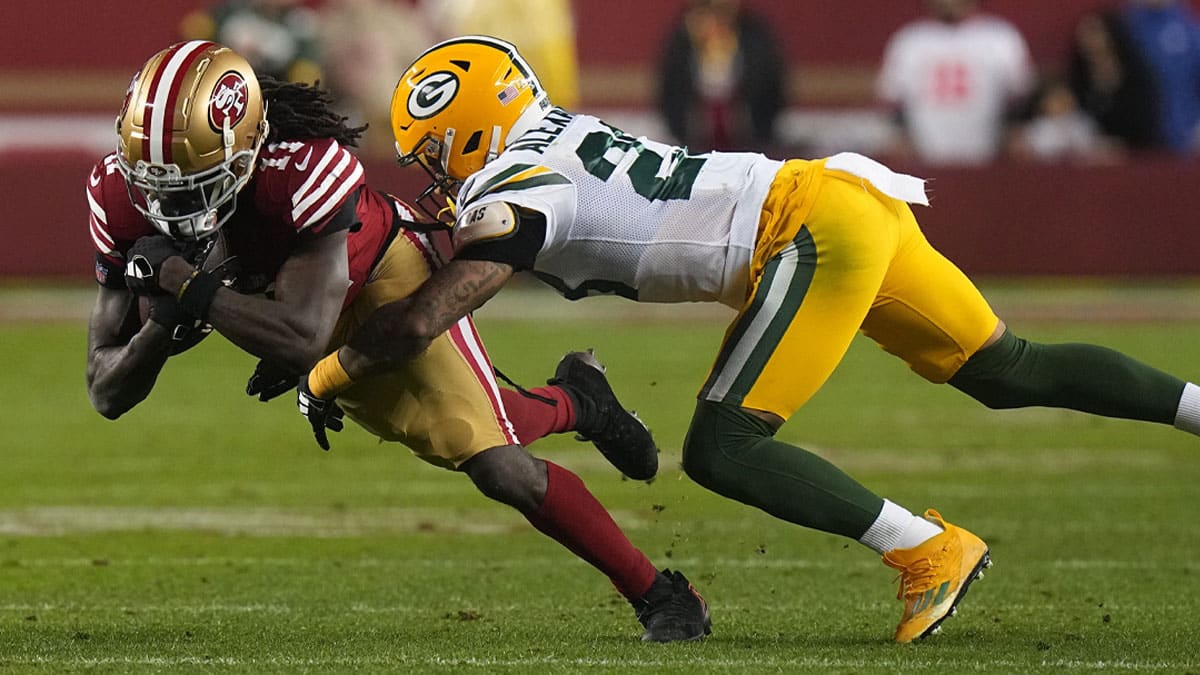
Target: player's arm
{"type": "Point", "coordinates": [124, 355]}
{"type": "Point", "coordinates": [293, 328]}
{"type": "Point", "coordinates": [123, 361]}
{"type": "Point", "coordinates": [399, 331]}
{"type": "Point", "coordinates": [492, 242]}
{"type": "Point", "coordinates": [394, 334]}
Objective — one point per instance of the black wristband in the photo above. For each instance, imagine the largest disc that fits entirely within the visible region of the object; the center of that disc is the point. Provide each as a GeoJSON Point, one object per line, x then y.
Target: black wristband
{"type": "Point", "coordinates": [197, 293]}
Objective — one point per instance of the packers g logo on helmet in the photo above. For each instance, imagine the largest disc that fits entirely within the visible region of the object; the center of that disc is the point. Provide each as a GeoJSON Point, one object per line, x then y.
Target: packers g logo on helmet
{"type": "Point", "coordinates": [461, 103]}
{"type": "Point", "coordinates": [432, 94]}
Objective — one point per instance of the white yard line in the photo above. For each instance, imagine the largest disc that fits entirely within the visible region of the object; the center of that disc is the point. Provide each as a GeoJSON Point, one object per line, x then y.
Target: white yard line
{"type": "Point", "coordinates": [267, 521]}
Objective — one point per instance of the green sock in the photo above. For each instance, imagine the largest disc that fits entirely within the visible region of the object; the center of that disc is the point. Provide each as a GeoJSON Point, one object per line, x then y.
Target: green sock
{"type": "Point", "coordinates": [1015, 373]}
{"type": "Point", "coordinates": [733, 453]}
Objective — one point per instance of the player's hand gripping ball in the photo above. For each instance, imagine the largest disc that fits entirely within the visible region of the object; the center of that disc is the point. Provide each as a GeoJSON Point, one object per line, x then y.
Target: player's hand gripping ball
{"type": "Point", "coordinates": [145, 259]}
{"type": "Point", "coordinates": [210, 255]}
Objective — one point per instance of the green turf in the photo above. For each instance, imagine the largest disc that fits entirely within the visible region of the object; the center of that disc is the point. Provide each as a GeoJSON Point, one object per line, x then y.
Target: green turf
{"type": "Point", "coordinates": [206, 532]}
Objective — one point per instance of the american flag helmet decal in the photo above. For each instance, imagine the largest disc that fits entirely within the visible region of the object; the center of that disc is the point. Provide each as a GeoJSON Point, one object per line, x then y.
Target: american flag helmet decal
{"type": "Point", "coordinates": [507, 94]}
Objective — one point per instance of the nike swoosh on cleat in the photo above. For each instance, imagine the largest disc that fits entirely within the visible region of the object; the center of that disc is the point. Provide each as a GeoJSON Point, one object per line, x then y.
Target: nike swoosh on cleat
{"type": "Point", "coordinates": [300, 166]}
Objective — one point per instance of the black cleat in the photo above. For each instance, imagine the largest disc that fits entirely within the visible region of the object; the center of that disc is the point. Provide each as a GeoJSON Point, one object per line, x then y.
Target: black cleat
{"type": "Point", "coordinates": [672, 611]}
{"type": "Point", "coordinates": [617, 433]}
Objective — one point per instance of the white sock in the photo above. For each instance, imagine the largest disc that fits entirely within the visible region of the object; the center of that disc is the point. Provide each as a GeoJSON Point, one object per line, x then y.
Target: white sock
{"type": "Point", "coordinates": [1187, 417]}
{"type": "Point", "coordinates": [897, 527]}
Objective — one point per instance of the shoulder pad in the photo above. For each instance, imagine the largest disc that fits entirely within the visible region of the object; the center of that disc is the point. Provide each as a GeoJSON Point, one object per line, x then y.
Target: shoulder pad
{"type": "Point", "coordinates": [489, 221]}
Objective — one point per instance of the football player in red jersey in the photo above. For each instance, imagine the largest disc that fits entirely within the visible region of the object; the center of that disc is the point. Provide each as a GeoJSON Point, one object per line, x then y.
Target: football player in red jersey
{"type": "Point", "coordinates": [211, 162]}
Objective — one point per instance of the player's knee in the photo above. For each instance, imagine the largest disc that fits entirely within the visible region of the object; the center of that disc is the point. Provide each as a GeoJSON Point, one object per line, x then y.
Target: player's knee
{"type": "Point", "coordinates": [1002, 375]}
{"type": "Point", "coordinates": [510, 475]}
{"type": "Point", "coordinates": [700, 459]}
{"type": "Point", "coordinates": [718, 433]}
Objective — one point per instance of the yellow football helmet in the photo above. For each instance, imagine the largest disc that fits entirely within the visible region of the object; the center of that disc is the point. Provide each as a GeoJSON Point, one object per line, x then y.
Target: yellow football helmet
{"type": "Point", "coordinates": [460, 104]}
{"type": "Point", "coordinates": [188, 135]}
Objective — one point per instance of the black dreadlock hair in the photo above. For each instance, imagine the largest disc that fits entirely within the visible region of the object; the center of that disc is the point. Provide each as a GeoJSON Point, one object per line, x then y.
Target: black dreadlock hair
{"type": "Point", "coordinates": [298, 111]}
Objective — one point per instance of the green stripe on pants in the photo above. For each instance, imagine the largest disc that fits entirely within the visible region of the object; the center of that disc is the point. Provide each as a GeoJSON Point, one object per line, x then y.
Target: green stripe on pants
{"type": "Point", "coordinates": [785, 281]}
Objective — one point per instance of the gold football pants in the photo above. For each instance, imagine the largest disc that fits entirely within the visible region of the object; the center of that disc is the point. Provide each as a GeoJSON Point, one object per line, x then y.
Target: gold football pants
{"type": "Point", "coordinates": [445, 404]}
{"type": "Point", "coordinates": [835, 256]}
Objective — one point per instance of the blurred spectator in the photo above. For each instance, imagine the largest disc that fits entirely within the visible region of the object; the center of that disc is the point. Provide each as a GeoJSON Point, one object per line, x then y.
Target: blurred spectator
{"type": "Point", "coordinates": [1167, 33]}
{"type": "Point", "coordinates": [277, 37]}
{"type": "Point", "coordinates": [1111, 82]}
{"type": "Point", "coordinates": [954, 78]}
{"type": "Point", "coordinates": [721, 79]}
{"type": "Point", "coordinates": [367, 45]}
{"type": "Point", "coordinates": [1059, 130]}
{"type": "Point", "coordinates": [543, 30]}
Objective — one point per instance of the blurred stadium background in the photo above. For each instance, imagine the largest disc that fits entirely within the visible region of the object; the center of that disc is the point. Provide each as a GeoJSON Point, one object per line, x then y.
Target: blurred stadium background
{"type": "Point", "coordinates": [64, 66]}
{"type": "Point", "coordinates": [204, 531]}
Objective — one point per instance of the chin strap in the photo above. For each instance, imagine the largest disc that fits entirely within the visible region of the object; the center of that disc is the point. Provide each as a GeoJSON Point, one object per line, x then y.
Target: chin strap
{"type": "Point", "coordinates": [450, 208]}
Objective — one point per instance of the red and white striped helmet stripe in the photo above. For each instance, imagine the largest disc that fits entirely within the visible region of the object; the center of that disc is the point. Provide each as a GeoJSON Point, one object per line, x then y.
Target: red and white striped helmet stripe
{"type": "Point", "coordinates": [159, 113]}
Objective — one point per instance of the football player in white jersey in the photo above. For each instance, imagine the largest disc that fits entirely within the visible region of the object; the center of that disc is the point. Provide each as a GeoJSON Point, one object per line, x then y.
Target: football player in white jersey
{"type": "Point", "coordinates": [808, 252]}
{"type": "Point", "coordinates": [954, 78]}
{"type": "Point", "coordinates": [206, 152]}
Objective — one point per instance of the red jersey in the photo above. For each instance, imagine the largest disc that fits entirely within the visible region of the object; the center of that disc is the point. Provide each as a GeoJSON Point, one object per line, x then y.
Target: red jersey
{"type": "Point", "coordinates": [300, 190]}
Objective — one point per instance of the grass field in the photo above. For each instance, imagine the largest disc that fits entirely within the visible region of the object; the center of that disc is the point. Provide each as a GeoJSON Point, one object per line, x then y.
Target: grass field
{"type": "Point", "coordinates": [206, 532]}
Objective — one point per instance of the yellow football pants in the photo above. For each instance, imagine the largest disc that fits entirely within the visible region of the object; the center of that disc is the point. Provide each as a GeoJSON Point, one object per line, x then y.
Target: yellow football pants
{"type": "Point", "coordinates": [835, 256]}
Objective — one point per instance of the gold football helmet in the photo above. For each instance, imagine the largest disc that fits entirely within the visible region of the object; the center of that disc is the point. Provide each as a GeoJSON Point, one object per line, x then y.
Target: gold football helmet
{"type": "Point", "coordinates": [188, 135]}
{"type": "Point", "coordinates": [459, 105]}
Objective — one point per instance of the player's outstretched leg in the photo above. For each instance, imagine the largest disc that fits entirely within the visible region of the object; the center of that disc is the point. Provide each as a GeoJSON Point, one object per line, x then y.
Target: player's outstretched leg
{"type": "Point", "coordinates": [600, 418]}
{"type": "Point", "coordinates": [672, 610]}
{"type": "Point", "coordinates": [559, 505]}
{"type": "Point", "coordinates": [934, 576]}
{"type": "Point", "coordinates": [733, 453]}
{"type": "Point", "coordinates": [1016, 373]}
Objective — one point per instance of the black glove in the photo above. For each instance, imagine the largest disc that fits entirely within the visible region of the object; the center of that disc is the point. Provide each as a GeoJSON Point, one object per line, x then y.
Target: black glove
{"type": "Point", "coordinates": [321, 413]}
{"type": "Point", "coordinates": [166, 312]}
{"type": "Point", "coordinates": [186, 332]}
{"type": "Point", "coordinates": [145, 259]}
{"type": "Point", "coordinates": [269, 381]}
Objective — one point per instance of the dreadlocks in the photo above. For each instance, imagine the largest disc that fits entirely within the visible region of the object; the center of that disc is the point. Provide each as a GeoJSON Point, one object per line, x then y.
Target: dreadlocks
{"type": "Point", "coordinates": [297, 111]}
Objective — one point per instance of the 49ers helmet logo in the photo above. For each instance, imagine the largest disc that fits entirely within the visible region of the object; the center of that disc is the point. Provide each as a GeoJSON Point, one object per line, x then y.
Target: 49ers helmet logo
{"type": "Point", "coordinates": [228, 102]}
{"type": "Point", "coordinates": [432, 94]}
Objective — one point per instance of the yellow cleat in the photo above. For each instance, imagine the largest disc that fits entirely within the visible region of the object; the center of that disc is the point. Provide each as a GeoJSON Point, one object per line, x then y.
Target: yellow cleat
{"type": "Point", "coordinates": [934, 577]}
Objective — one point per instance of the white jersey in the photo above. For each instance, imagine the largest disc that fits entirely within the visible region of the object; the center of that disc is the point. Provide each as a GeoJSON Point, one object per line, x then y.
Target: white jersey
{"type": "Point", "coordinates": [954, 83]}
{"type": "Point", "coordinates": [629, 215]}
